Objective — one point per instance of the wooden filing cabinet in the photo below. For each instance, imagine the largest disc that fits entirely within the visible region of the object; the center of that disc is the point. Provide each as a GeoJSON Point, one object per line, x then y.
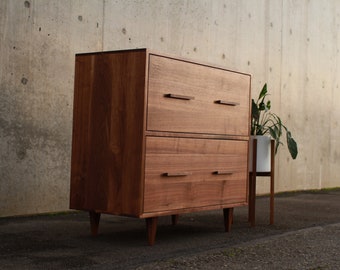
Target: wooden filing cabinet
{"type": "Point", "coordinates": [157, 135]}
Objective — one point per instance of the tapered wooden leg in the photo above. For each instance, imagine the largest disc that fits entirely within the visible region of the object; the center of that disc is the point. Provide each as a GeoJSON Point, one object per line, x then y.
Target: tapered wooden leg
{"type": "Point", "coordinates": [174, 219]}
{"type": "Point", "coordinates": [94, 220]}
{"type": "Point", "coordinates": [151, 227]}
{"type": "Point", "coordinates": [228, 218]}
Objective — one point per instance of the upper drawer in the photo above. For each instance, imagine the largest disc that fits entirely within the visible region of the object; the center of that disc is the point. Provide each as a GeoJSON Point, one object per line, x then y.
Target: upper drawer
{"type": "Point", "coordinates": [189, 97]}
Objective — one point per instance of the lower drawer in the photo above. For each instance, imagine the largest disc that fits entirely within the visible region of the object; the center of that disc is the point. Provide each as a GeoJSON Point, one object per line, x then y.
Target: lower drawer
{"type": "Point", "coordinates": [188, 173]}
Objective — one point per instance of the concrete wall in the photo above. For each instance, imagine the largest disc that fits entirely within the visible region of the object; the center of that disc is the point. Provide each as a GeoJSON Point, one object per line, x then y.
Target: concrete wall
{"type": "Point", "coordinates": [292, 45]}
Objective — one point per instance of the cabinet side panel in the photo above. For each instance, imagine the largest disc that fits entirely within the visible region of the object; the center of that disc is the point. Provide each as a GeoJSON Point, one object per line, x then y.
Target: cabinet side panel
{"type": "Point", "coordinates": [98, 191]}
{"type": "Point", "coordinates": [83, 84]}
{"type": "Point", "coordinates": [127, 131]}
{"type": "Point", "coordinates": [91, 132]}
{"type": "Point", "coordinates": [107, 161]}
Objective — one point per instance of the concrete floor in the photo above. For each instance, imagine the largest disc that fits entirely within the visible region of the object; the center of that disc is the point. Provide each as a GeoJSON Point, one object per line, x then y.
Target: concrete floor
{"type": "Point", "coordinates": [306, 235]}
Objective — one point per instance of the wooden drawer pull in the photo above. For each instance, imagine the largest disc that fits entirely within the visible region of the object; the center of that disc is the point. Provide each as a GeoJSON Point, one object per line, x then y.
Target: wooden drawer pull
{"type": "Point", "coordinates": [179, 96]}
{"type": "Point", "coordinates": [176, 174]}
{"type": "Point", "coordinates": [228, 103]}
{"type": "Point", "coordinates": [223, 172]}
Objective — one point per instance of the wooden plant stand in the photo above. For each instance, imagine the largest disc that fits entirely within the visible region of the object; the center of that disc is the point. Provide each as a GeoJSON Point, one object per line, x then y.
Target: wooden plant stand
{"type": "Point", "coordinates": [252, 183]}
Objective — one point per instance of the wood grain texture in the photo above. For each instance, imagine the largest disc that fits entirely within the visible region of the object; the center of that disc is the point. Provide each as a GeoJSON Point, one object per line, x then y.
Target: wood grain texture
{"type": "Point", "coordinates": [195, 161]}
{"type": "Point", "coordinates": [127, 137]}
{"type": "Point", "coordinates": [155, 135]}
{"type": "Point", "coordinates": [206, 86]}
{"type": "Point", "coordinates": [81, 130]}
{"type": "Point", "coordinates": [107, 157]}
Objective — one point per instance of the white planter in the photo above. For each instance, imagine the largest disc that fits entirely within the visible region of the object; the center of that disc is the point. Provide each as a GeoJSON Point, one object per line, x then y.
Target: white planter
{"type": "Point", "coordinates": [263, 154]}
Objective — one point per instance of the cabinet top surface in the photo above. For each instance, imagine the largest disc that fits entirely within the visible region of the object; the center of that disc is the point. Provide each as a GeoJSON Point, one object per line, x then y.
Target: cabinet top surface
{"type": "Point", "coordinates": [155, 52]}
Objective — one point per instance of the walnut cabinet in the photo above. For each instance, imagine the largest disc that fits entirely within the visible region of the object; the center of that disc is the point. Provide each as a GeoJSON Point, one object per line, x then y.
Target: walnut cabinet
{"type": "Point", "coordinates": [158, 135]}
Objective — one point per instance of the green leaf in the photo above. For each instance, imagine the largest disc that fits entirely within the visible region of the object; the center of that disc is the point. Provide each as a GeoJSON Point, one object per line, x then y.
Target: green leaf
{"type": "Point", "coordinates": [259, 130]}
{"type": "Point", "coordinates": [265, 122]}
{"type": "Point", "coordinates": [277, 144]}
{"type": "Point", "coordinates": [262, 106]}
{"type": "Point", "coordinates": [263, 91]}
{"type": "Point", "coordinates": [292, 145]}
{"type": "Point", "coordinates": [255, 113]}
{"type": "Point", "coordinates": [273, 133]}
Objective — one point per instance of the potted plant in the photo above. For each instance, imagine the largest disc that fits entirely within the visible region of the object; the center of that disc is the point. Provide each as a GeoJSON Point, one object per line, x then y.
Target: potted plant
{"type": "Point", "coordinates": [266, 125]}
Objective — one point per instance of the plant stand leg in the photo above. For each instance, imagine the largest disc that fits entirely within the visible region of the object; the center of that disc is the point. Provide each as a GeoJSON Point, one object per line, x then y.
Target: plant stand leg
{"type": "Point", "coordinates": [252, 199]}
{"type": "Point", "coordinates": [174, 219]}
{"type": "Point", "coordinates": [228, 218]}
{"type": "Point", "coordinates": [151, 227]}
{"type": "Point", "coordinates": [252, 187]}
{"type": "Point", "coordinates": [272, 169]}
{"type": "Point", "coordinates": [94, 221]}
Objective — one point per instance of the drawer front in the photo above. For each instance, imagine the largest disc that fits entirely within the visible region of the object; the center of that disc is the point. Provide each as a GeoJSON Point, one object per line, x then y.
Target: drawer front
{"type": "Point", "coordinates": [186, 173]}
{"type": "Point", "coordinates": [188, 97]}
